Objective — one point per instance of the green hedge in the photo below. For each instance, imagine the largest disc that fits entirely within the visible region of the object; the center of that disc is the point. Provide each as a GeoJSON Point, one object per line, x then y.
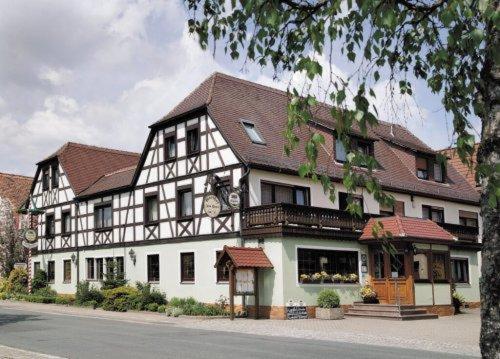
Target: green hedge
{"type": "Point", "coordinates": [189, 306]}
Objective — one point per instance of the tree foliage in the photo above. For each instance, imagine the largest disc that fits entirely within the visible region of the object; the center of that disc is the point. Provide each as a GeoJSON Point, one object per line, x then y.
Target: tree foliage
{"type": "Point", "coordinates": [11, 249]}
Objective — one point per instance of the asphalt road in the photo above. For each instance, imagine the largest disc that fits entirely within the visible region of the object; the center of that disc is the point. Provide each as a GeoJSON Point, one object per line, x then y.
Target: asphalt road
{"type": "Point", "coordinates": [81, 337]}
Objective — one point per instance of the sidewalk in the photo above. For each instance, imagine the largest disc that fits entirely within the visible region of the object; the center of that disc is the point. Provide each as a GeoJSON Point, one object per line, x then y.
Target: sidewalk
{"type": "Point", "coordinates": [456, 334]}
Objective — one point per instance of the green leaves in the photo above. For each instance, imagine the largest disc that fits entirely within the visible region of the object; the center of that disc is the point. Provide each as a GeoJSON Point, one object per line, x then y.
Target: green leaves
{"type": "Point", "coordinates": [312, 67]}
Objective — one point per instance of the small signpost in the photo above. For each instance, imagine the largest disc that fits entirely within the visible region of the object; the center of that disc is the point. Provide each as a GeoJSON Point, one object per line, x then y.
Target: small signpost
{"type": "Point", "coordinates": [30, 241]}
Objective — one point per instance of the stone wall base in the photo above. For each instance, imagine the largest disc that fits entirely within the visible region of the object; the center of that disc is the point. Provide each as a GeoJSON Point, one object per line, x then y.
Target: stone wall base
{"type": "Point", "coordinates": [473, 305]}
{"type": "Point", "coordinates": [441, 310]}
{"type": "Point", "coordinates": [279, 312]}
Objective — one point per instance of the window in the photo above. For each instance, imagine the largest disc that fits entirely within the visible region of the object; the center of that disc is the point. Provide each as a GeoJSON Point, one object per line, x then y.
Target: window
{"type": "Point", "coordinates": [153, 268]}
{"type": "Point", "coordinates": [277, 193]}
{"type": "Point", "coordinates": [222, 271]}
{"type": "Point", "coordinates": [90, 269]}
{"type": "Point", "coordinates": [460, 270]}
{"type": "Point", "coordinates": [50, 226]}
{"type": "Point", "coordinates": [67, 271]}
{"type": "Point", "coordinates": [435, 214]}
{"type": "Point", "coordinates": [45, 179]}
{"type": "Point", "coordinates": [120, 267]}
{"type": "Point", "coordinates": [185, 203]}
{"type": "Point", "coordinates": [103, 217]}
{"type": "Point", "coordinates": [363, 146]}
{"type": "Point", "coordinates": [36, 267]}
{"type": "Point", "coordinates": [223, 190]}
{"type": "Point", "coordinates": [110, 266]}
{"type": "Point", "coordinates": [379, 264]}
{"type": "Point", "coordinates": [99, 268]}
{"type": "Point", "coordinates": [420, 266]}
{"type": "Point", "coordinates": [192, 140]}
{"type": "Point", "coordinates": [387, 211]}
{"type": "Point", "coordinates": [252, 132]}
{"type": "Point", "coordinates": [439, 270]}
{"type": "Point", "coordinates": [398, 264]}
{"type": "Point", "coordinates": [340, 152]}
{"type": "Point", "coordinates": [312, 261]}
{"type": "Point", "coordinates": [151, 215]}
{"type": "Point", "coordinates": [187, 267]}
{"type": "Point", "coordinates": [344, 201]}
{"type": "Point", "coordinates": [55, 176]}
{"type": "Point", "coordinates": [468, 219]}
{"type": "Point", "coordinates": [170, 147]}
{"type": "Point", "coordinates": [438, 172]}
{"type": "Point", "coordinates": [51, 271]}
{"type": "Point", "coordinates": [422, 168]}
{"type": "Point", "coordinates": [66, 222]}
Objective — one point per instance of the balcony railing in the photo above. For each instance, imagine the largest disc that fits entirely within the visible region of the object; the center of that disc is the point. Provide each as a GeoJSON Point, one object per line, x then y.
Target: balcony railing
{"type": "Point", "coordinates": [307, 216]}
{"type": "Point", "coordinates": [464, 233]}
{"type": "Point", "coordinates": [320, 219]}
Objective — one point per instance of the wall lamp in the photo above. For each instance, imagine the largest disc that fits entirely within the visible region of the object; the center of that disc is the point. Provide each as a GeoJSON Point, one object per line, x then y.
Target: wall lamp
{"type": "Point", "coordinates": [132, 256]}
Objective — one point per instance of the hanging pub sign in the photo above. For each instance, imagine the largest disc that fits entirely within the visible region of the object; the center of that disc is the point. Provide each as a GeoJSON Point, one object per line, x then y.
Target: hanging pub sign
{"type": "Point", "coordinates": [211, 205]}
{"type": "Point", "coordinates": [245, 282]}
{"type": "Point", "coordinates": [30, 238]}
{"type": "Point", "coordinates": [234, 200]}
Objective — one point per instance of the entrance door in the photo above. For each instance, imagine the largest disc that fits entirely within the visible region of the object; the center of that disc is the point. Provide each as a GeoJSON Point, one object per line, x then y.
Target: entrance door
{"type": "Point", "coordinates": [382, 268]}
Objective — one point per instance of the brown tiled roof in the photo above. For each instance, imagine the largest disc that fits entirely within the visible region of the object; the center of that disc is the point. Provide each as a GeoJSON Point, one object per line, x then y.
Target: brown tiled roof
{"type": "Point", "coordinates": [228, 100]}
{"type": "Point", "coordinates": [118, 179]}
{"type": "Point", "coordinates": [245, 257]}
{"type": "Point", "coordinates": [15, 188]}
{"type": "Point", "coordinates": [455, 162]}
{"type": "Point", "coordinates": [406, 227]}
{"type": "Point", "coordinates": [85, 165]}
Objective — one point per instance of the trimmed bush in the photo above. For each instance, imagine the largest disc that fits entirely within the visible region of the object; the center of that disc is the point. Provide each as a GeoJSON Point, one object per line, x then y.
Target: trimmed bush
{"type": "Point", "coordinates": [152, 307]}
{"type": "Point", "coordinates": [119, 299]}
{"type": "Point", "coordinates": [161, 308]}
{"type": "Point", "coordinates": [86, 293]}
{"type": "Point", "coordinates": [17, 281]}
{"type": "Point", "coordinates": [328, 298]}
{"type": "Point", "coordinates": [65, 299]}
{"type": "Point", "coordinates": [39, 280]}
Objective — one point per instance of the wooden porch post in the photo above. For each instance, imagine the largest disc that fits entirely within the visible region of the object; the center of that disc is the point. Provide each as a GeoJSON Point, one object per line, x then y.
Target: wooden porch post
{"type": "Point", "coordinates": [256, 292]}
{"type": "Point", "coordinates": [231, 292]}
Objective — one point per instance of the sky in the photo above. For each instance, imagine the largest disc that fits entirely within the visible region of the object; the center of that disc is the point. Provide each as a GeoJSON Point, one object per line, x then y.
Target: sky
{"type": "Point", "coordinates": [99, 72]}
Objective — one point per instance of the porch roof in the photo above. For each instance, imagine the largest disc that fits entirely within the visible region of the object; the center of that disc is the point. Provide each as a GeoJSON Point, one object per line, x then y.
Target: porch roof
{"type": "Point", "coordinates": [244, 257]}
{"type": "Point", "coordinates": [405, 227]}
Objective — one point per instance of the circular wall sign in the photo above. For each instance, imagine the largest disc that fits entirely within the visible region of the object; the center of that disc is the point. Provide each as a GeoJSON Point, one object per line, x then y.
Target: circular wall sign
{"type": "Point", "coordinates": [211, 205]}
{"type": "Point", "coordinates": [30, 239]}
{"type": "Point", "coordinates": [234, 200]}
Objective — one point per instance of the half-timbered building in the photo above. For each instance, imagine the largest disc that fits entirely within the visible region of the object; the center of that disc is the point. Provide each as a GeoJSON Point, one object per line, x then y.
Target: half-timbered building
{"type": "Point", "coordinates": [145, 212]}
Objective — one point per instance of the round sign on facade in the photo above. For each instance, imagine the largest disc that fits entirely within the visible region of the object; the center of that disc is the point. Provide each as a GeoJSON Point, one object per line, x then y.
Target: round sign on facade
{"type": "Point", "coordinates": [234, 200]}
{"type": "Point", "coordinates": [30, 239]}
{"type": "Point", "coordinates": [211, 205]}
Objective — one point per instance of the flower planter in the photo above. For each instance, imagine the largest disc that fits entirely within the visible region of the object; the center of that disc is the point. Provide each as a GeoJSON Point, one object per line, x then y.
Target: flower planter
{"type": "Point", "coordinates": [370, 300]}
{"type": "Point", "coordinates": [329, 313]}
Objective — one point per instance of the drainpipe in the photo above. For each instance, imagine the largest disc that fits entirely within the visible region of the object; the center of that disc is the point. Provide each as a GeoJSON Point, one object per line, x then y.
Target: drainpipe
{"type": "Point", "coordinates": [243, 182]}
{"type": "Point", "coordinates": [432, 274]}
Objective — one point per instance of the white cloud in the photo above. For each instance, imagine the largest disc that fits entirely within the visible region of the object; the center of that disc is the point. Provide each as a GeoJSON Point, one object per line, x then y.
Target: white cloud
{"type": "Point", "coordinates": [56, 77]}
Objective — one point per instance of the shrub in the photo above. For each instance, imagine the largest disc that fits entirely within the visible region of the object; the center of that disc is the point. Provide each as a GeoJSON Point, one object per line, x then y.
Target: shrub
{"type": "Point", "coordinates": [18, 281]}
{"type": "Point", "coordinates": [45, 292]}
{"type": "Point", "coordinates": [161, 308]}
{"type": "Point", "coordinates": [111, 278]}
{"type": "Point", "coordinates": [176, 311]}
{"type": "Point", "coordinates": [328, 298]}
{"type": "Point", "coordinates": [3, 285]}
{"type": "Point", "coordinates": [181, 302]}
{"type": "Point", "coordinates": [146, 296]}
{"type": "Point", "coordinates": [152, 307]}
{"type": "Point", "coordinates": [90, 304]}
{"type": "Point", "coordinates": [189, 306]}
{"type": "Point", "coordinates": [38, 299]}
{"type": "Point", "coordinates": [65, 299]}
{"type": "Point", "coordinates": [86, 293]}
{"type": "Point", "coordinates": [119, 299]}
{"type": "Point", "coordinates": [458, 301]}
{"type": "Point", "coordinates": [39, 280]}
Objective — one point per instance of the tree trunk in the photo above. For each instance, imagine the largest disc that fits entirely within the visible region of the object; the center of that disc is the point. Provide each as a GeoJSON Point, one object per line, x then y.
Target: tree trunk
{"type": "Point", "coordinates": [488, 153]}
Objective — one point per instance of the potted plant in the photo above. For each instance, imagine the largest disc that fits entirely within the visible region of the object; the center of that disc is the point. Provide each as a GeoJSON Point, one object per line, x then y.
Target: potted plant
{"type": "Point", "coordinates": [329, 305]}
{"type": "Point", "coordinates": [352, 278]}
{"type": "Point", "coordinates": [304, 278]}
{"type": "Point", "coordinates": [458, 301]}
{"type": "Point", "coordinates": [368, 295]}
{"type": "Point", "coordinates": [316, 277]}
{"type": "Point", "coordinates": [337, 278]}
{"type": "Point", "coordinates": [323, 276]}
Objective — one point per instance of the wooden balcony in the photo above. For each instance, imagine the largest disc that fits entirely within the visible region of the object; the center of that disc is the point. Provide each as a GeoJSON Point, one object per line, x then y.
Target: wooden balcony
{"type": "Point", "coordinates": [463, 233]}
{"type": "Point", "coordinates": [290, 219]}
{"type": "Point", "coordinates": [294, 220]}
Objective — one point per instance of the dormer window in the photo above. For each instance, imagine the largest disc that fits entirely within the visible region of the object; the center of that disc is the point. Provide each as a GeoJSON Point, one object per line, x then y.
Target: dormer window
{"type": "Point", "coordinates": [422, 168]}
{"type": "Point", "coordinates": [438, 172]}
{"type": "Point", "coordinates": [356, 144]}
{"type": "Point", "coordinates": [252, 132]}
{"type": "Point", "coordinates": [55, 176]}
{"type": "Point", "coordinates": [45, 179]}
{"type": "Point", "coordinates": [340, 152]}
